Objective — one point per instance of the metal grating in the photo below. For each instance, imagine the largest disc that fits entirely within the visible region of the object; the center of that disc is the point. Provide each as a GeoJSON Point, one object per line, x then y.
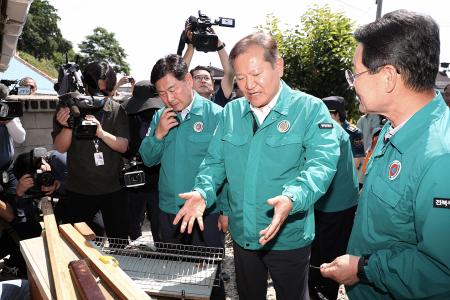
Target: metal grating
{"type": "Point", "coordinates": [184, 271]}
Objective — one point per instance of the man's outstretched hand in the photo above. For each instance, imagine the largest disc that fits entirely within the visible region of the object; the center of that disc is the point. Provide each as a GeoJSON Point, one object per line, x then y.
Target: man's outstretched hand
{"type": "Point", "coordinates": [282, 206]}
{"type": "Point", "coordinates": [192, 210]}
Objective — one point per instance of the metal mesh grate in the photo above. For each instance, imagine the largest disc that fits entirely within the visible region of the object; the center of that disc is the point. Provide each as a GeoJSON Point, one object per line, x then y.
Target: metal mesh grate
{"type": "Point", "coordinates": [166, 268]}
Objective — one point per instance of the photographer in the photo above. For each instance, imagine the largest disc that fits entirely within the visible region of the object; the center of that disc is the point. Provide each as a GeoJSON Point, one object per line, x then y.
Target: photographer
{"type": "Point", "coordinates": [203, 81]}
{"type": "Point", "coordinates": [11, 130]}
{"type": "Point", "coordinates": [94, 164]}
{"type": "Point", "coordinates": [19, 212]}
{"type": "Point", "coordinates": [140, 109]}
{"type": "Point", "coordinates": [29, 82]}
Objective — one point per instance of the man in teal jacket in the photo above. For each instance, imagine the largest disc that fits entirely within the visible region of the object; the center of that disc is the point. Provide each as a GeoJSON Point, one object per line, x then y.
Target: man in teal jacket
{"type": "Point", "coordinates": [334, 213]}
{"type": "Point", "coordinates": [259, 146]}
{"type": "Point", "coordinates": [178, 138]}
{"type": "Point", "coordinates": [400, 247]}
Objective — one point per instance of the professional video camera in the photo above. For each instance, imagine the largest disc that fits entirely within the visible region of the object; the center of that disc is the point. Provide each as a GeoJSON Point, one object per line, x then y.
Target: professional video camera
{"type": "Point", "coordinates": [80, 106]}
{"type": "Point", "coordinates": [16, 90]}
{"type": "Point", "coordinates": [30, 163]}
{"type": "Point", "coordinates": [203, 38]}
{"type": "Point", "coordinates": [132, 174]}
{"type": "Point", "coordinates": [10, 110]}
{"type": "Point", "coordinates": [71, 91]}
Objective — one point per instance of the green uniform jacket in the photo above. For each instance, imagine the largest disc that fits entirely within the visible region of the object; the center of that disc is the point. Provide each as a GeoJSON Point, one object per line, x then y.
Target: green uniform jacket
{"type": "Point", "coordinates": [403, 215]}
{"type": "Point", "coordinates": [180, 152]}
{"type": "Point", "coordinates": [270, 163]}
{"type": "Point", "coordinates": [343, 192]}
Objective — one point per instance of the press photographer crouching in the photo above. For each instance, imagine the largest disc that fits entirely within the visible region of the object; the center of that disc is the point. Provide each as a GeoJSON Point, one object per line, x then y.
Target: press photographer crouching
{"type": "Point", "coordinates": [93, 163]}
{"type": "Point", "coordinates": [140, 181]}
{"type": "Point", "coordinates": [20, 202]}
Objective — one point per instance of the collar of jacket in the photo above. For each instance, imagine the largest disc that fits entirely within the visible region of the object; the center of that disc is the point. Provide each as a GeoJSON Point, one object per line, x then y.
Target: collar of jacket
{"type": "Point", "coordinates": [282, 105]}
{"type": "Point", "coordinates": [419, 123]}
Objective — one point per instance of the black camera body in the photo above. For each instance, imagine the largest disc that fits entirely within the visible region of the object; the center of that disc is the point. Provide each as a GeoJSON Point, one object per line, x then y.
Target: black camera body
{"type": "Point", "coordinates": [85, 129]}
{"type": "Point", "coordinates": [202, 38]}
{"type": "Point", "coordinates": [30, 163]}
{"type": "Point", "coordinates": [132, 175]}
{"type": "Point", "coordinates": [70, 79]}
{"type": "Point", "coordinates": [10, 110]}
{"type": "Point", "coordinates": [43, 178]}
{"type": "Point", "coordinates": [71, 91]}
{"type": "Point", "coordinates": [16, 90]}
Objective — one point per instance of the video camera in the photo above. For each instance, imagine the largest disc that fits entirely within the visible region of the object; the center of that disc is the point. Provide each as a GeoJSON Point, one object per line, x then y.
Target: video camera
{"type": "Point", "coordinates": [80, 106]}
{"type": "Point", "coordinates": [16, 90]}
{"type": "Point", "coordinates": [10, 110]}
{"type": "Point", "coordinates": [132, 174]}
{"type": "Point", "coordinates": [71, 91]}
{"type": "Point", "coordinates": [202, 38]}
{"type": "Point", "coordinates": [30, 163]}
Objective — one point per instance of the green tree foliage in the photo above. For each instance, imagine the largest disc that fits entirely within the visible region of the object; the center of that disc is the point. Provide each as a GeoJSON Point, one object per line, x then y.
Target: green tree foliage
{"type": "Point", "coordinates": [316, 53]}
{"type": "Point", "coordinates": [102, 45]}
{"type": "Point", "coordinates": [41, 36]}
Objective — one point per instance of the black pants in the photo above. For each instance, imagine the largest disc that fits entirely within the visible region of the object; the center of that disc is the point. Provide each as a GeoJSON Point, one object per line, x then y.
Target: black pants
{"type": "Point", "coordinates": [82, 208]}
{"type": "Point", "coordinates": [210, 237]}
{"type": "Point", "coordinates": [288, 270]}
{"type": "Point", "coordinates": [152, 212]}
{"type": "Point", "coordinates": [8, 246]}
{"type": "Point", "coordinates": [332, 234]}
{"type": "Point", "coordinates": [138, 200]}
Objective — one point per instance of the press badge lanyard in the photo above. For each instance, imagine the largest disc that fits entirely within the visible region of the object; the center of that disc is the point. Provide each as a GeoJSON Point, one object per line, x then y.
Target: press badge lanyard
{"type": "Point", "coordinates": [98, 156]}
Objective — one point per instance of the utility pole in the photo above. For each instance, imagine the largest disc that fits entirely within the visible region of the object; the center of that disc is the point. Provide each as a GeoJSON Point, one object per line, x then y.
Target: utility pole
{"type": "Point", "coordinates": [379, 4]}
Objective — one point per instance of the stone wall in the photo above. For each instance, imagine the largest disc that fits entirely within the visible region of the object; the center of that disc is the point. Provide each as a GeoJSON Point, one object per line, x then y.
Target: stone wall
{"type": "Point", "coordinates": [38, 112]}
{"type": "Point", "coordinates": [37, 120]}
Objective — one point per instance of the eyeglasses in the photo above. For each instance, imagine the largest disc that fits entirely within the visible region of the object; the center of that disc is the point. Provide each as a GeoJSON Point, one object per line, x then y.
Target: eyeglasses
{"type": "Point", "coordinates": [200, 78]}
{"type": "Point", "coordinates": [352, 77]}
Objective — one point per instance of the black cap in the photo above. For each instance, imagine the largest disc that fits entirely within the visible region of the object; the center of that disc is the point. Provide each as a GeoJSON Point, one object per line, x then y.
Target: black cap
{"type": "Point", "coordinates": [144, 97]}
{"type": "Point", "coordinates": [335, 104]}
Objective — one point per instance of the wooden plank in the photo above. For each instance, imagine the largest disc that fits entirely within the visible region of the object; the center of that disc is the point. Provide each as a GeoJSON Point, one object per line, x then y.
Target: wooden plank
{"type": "Point", "coordinates": [85, 230]}
{"type": "Point", "coordinates": [64, 286]}
{"type": "Point", "coordinates": [38, 265]}
{"type": "Point", "coordinates": [85, 281]}
{"type": "Point", "coordinates": [112, 275]}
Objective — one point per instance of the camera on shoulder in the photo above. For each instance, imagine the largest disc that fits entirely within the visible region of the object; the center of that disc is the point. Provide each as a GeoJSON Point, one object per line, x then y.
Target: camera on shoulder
{"type": "Point", "coordinates": [71, 91]}
{"type": "Point", "coordinates": [10, 110]}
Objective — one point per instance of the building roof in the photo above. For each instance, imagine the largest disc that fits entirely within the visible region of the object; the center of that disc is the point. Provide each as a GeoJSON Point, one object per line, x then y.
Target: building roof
{"type": "Point", "coordinates": [19, 68]}
{"type": "Point", "coordinates": [13, 14]}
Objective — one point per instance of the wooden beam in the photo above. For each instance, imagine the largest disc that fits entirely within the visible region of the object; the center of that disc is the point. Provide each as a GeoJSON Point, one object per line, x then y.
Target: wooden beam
{"type": "Point", "coordinates": [64, 286]}
{"type": "Point", "coordinates": [85, 281]}
{"type": "Point", "coordinates": [85, 230]}
{"type": "Point", "coordinates": [112, 275]}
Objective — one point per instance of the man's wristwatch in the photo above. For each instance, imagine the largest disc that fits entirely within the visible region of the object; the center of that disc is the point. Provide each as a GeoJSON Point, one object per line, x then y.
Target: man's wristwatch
{"type": "Point", "coordinates": [363, 261]}
{"type": "Point", "coordinates": [220, 47]}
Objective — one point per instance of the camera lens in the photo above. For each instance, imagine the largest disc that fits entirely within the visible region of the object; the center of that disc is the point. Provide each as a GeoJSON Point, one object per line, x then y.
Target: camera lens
{"type": "Point", "coordinates": [46, 179]}
{"type": "Point", "coordinates": [136, 178]}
